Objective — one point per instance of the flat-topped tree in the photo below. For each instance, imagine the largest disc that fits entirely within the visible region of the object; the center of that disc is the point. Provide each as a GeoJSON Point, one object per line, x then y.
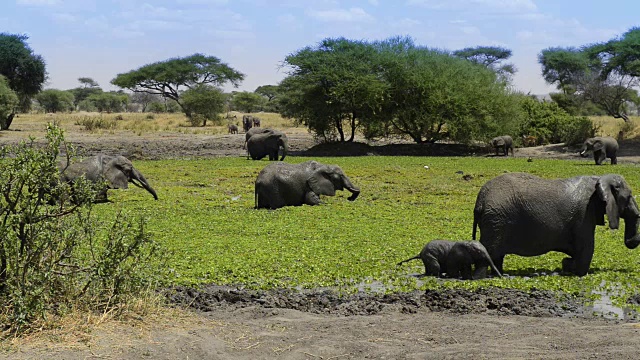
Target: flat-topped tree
{"type": "Point", "coordinates": [165, 78]}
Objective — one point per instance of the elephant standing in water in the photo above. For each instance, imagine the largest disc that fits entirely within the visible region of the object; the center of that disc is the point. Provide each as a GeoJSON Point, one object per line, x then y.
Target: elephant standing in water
{"type": "Point", "coordinates": [504, 142]}
{"type": "Point", "coordinates": [526, 215]}
{"type": "Point", "coordinates": [268, 144]}
{"type": "Point", "coordinates": [455, 259]}
{"type": "Point", "coordinates": [283, 184]}
{"type": "Point", "coordinates": [603, 147]}
{"type": "Point", "coordinates": [116, 171]}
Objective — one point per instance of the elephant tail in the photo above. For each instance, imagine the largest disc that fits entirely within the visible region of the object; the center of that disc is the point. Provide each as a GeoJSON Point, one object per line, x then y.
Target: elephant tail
{"type": "Point", "coordinates": [493, 266]}
{"type": "Point", "coordinates": [413, 258]}
{"type": "Point", "coordinates": [256, 197]}
{"type": "Point", "coordinates": [475, 225]}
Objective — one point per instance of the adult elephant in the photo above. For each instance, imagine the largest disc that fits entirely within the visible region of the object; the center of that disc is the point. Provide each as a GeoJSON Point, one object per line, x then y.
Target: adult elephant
{"type": "Point", "coordinates": [504, 143]}
{"type": "Point", "coordinates": [282, 184]}
{"type": "Point", "coordinates": [116, 171]}
{"type": "Point", "coordinates": [247, 122]}
{"type": "Point", "coordinates": [253, 131]}
{"type": "Point", "coordinates": [268, 144]}
{"type": "Point", "coordinates": [523, 214]}
{"type": "Point", "coordinates": [602, 147]}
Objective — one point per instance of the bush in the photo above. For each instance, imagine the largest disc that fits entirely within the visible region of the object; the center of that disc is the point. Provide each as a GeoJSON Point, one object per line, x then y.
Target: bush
{"type": "Point", "coordinates": [119, 117]}
{"type": "Point", "coordinates": [54, 254]}
{"type": "Point", "coordinates": [150, 117]}
{"type": "Point", "coordinates": [93, 123]}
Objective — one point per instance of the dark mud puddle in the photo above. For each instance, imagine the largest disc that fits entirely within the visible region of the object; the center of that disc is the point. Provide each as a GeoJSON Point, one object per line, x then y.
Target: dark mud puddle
{"type": "Point", "coordinates": [482, 301]}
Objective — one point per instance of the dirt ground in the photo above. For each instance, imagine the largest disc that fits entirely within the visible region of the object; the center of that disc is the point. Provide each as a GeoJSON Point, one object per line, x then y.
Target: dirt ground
{"type": "Point", "coordinates": [226, 323]}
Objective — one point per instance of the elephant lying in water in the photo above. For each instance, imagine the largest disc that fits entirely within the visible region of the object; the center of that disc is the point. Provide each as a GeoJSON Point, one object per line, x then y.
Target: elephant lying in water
{"type": "Point", "coordinates": [116, 171]}
{"type": "Point", "coordinates": [455, 259]}
{"type": "Point", "coordinates": [523, 214]}
{"type": "Point", "coordinates": [282, 184]}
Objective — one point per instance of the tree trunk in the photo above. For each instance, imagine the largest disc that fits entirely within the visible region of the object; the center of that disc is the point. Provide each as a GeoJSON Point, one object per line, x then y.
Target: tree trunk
{"type": "Point", "coordinates": [5, 123]}
{"type": "Point", "coordinates": [353, 127]}
{"type": "Point", "coordinates": [340, 130]}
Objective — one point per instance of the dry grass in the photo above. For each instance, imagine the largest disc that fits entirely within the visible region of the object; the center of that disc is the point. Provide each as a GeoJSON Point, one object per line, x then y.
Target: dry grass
{"type": "Point", "coordinates": [138, 123]}
{"type": "Point", "coordinates": [77, 328]}
{"type": "Point", "coordinates": [609, 126]}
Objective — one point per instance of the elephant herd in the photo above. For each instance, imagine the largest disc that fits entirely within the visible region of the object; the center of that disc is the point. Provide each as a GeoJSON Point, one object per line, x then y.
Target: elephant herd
{"type": "Point", "coordinates": [516, 213]}
{"type": "Point", "coordinates": [602, 147]}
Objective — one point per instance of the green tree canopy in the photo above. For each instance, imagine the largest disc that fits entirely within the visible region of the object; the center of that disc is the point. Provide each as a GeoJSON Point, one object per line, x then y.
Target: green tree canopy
{"type": "Point", "coordinates": [24, 70]}
{"type": "Point", "coordinates": [165, 78]}
{"type": "Point", "coordinates": [492, 57]}
{"type": "Point", "coordinates": [53, 100]}
{"type": "Point", "coordinates": [336, 83]}
{"type": "Point", "coordinates": [391, 86]}
{"type": "Point", "coordinates": [605, 74]}
{"type": "Point", "coordinates": [204, 102]}
{"type": "Point", "coordinates": [88, 82]}
{"type": "Point", "coordinates": [246, 101]}
{"type": "Point", "coordinates": [108, 101]}
{"type": "Point", "coordinates": [268, 91]}
{"type": "Point", "coordinates": [8, 102]}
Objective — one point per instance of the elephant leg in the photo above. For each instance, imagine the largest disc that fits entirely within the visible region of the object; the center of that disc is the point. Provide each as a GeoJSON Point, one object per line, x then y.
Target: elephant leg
{"type": "Point", "coordinates": [310, 198]}
{"type": "Point", "coordinates": [614, 160]}
{"type": "Point", "coordinates": [598, 156]}
{"type": "Point", "coordinates": [431, 266]}
{"type": "Point", "coordinates": [480, 271]}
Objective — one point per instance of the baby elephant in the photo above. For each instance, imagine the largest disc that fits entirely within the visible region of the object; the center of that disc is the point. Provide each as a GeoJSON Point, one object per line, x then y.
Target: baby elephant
{"type": "Point", "coordinates": [603, 147]}
{"type": "Point", "coordinates": [455, 258]}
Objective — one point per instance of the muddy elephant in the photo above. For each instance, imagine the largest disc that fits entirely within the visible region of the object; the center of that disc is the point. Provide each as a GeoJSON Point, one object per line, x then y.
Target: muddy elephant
{"type": "Point", "coordinates": [602, 147]}
{"type": "Point", "coordinates": [252, 132]}
{"type": "Point", "coordinates": [268, 144]}
{"type": "Point", "coordinates": [455, 259]}
{"type": "Point", "coordinates": [503, 143]}
{"type": "Point", "coordinates": [282, 184]}
{"type": "Point", "coordinates": [116, 171]}
{"type": "Point", "coordinates": [247, 122]}
{"type": "Point", "coordinates": [523, 214]}
{"type": "Point", "coordinates": [233, 129]}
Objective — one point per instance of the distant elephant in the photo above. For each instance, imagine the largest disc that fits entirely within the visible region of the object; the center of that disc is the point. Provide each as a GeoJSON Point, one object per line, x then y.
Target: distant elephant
{"type": "Point", "coordinates": [268, 144]}
{"type": "Point", "coordinates": [504, 142]}
{"type": "Point", "coordinates": [117, 171]}
{"type": "Point", "coordinates": [455, 259]}
{"type": "Point", "coordinates": [256, 121]}
{"type": "Point", "coordinates": [523, 214]}
{"type": "Point", "coordinates": [233, 129]}
{"type": "Point", "coordinates": [247, 122]}
{"type": "Point", "coordinates": [282, 184]}
{"type": "Point", "coordinates": [603, 147]}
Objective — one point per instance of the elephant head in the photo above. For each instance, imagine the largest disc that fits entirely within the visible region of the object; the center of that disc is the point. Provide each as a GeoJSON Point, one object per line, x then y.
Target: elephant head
{"type": "Point", "coordinates": [619, 202]}
{"type": "Point", "coordinates": [326, 179]}
{"type": "Point", "coordinates": [594, 144]}
{"type": "Point", "coordinates": [499, 141]}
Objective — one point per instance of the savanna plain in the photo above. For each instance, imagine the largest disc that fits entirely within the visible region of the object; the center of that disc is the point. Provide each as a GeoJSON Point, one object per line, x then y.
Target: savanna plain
{"type": "Point", "coordinates": [322, 282]}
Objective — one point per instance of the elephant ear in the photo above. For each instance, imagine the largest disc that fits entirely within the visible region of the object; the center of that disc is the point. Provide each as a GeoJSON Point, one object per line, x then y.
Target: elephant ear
{"type": "Point", "coordinates": [320, 183]}
{"type": "Point", "coordinates": [115, 176]}
{"type": "Point", "coordinates": [598, 145]}
{"type": "Point", "coordinates": [603, 188]}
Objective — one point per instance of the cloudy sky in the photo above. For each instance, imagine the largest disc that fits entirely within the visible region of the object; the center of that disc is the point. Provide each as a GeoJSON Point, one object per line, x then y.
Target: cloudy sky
{"type": "Point", "coordinates": [101, 38]}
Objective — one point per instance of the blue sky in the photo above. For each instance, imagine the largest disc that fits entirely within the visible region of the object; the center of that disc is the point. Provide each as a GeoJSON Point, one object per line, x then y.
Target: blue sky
{"type": "Point", "coordinates": [101, 38]}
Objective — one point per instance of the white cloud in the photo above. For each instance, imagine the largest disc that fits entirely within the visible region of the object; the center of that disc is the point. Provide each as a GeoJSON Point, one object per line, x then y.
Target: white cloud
{"type": "Point", "coordinates": [470, 30]}
{"type": "Point", "coordinates": [289, 21]}
{"type": "Point", "coordinates": [64, 18]}
{"type": "Point", "coordinates": [341, 15]}
{"type": "Point", "coordinates": [37, 2]}
{"type": "Point", "coordinates": [203, 2]}
{"type": "Point", "coordinates": [374, 2]}
{"type": "Point", "coordinates": [509, 6]}
{"type": "Point", "coordinates": [406, 23]}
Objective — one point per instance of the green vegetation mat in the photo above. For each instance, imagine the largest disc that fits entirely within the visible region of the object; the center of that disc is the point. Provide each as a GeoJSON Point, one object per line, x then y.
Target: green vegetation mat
{"type": "Point", "coordinates": [206, 222]}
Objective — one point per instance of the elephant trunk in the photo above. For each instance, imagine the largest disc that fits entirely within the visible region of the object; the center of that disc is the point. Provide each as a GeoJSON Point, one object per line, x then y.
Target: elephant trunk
{"type": "Point", "coordinates": [631, 219]}
{"type": "Point", "coordinates": [355, 191]}
{"type": "Point", "coordinates": [143, 183]}
{"type": "Point", "coordinates": [583, 151]}
{"type": "Point", "coordinates": [285, 147]}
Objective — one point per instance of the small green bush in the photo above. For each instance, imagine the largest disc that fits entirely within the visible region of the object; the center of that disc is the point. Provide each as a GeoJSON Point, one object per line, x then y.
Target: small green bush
{"type": "Point", "coordinates": [55, 255]}
{"type": "Point", "coordinates": [91, 123]}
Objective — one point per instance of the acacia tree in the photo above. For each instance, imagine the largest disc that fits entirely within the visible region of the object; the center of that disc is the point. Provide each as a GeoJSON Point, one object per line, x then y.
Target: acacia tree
{"type": "Point", "coordinates": [605, 73]}
{"type": "Point", "coordinates": [24, 71]}
{"type": "Point", "coordinates": [246, 101]}
{"type": "Point", "coordinates": [492, 57]}
{"type": "Point", "coordinates": [165, 78]}
{"type": "Point", "coordinates": [88, 88]}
